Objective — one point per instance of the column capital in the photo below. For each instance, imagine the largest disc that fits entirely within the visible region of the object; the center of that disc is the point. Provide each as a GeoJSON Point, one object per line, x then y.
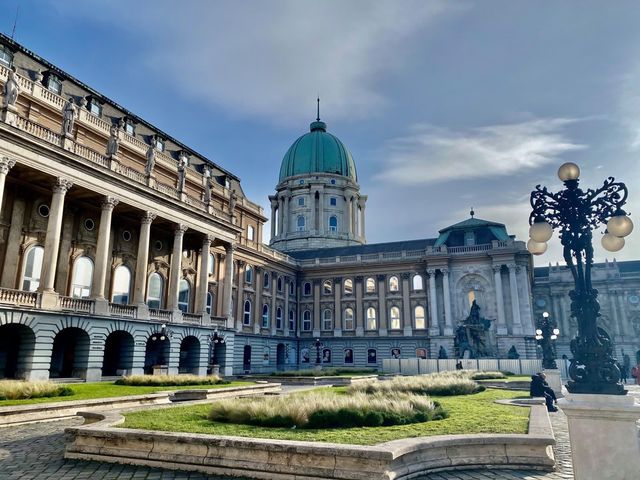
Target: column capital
{"type": "Point", "coordinates": [431, 272]}
{"type": "Point", "coordinates": [179, 229]}
{"type": "Point", "coordinates": [6, 164]}
{"type": "Point", "coordinates": [497, 268]}
{"type": "Point", "coordinates": [445, 271]}
{"type": "Point", "coordinates": [147, 218]}
{"type": "Point", "coordinates": [208, 238]}
{"type": "Point", "coordinates": [230, 248]}
{"type": "Point", "coordinates": [109, 203]}
{"type": "Point", "coordinates": [61, 185]}
{"type": "Point", "coordinates": [241, 263]}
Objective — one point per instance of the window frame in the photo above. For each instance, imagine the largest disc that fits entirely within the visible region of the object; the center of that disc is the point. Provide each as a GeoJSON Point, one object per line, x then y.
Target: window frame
{"type": "Point", "coordinates": [279, 318]}
{"type": "Point", "coordinates": [347, 281]}
{"type": "Point", "coordinates": [333, 219]}
{"type": "Point", "coordinates": [301, 224]}
{"type": "Point", "coordinates": [5, 53]}
{"type": "Point", "coordinates": [327, 287]}
{"type": "Point", "coordinates": [417, 277]}
{"type": "Point", "coordinates": [395, 318]}
{"type": "Point", "coordinates": [306, 321]}
{"type": "Point", "coordinates": [304, 289]}
{"type": "Point", "coordinates": [74, 278]}
{"type": "Point", "coordinates": [248, 275]}
{"type": "Point", "coordinates": [250, 233]}
{"type": "Point", "coordinates": [393, 284]}
{"type": "Point", "coordinates": [160, 298]}
{"type": "Point", "coordinates": [246, 313]}
{"type": "Point", "coordinates": [32, 278]}
{"type": "Point", "coordinates": [327, 320]}
{"type": "Point", "coordinates": [369, 318]}
{"type": "Point", "coordinates": [349, 317]}
{"type": "Point", "coordinates": [415, 317]}
{"type": "Point", "coordinates": [121, 293]}
{"type": "Point", "coordinates": [292, 320]}
{"type": "Point", "coordinates": [187, 304]}
{"type": "Point", "coordinates": [265, 315]}
{"type": "Point", "coordinates": [373, 289]}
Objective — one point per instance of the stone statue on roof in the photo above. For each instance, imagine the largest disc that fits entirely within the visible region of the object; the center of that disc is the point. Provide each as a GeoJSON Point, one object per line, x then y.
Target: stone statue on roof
{"type": "Point", "coordinates": [233, 198]}
{"type": "Point", "coordinates": [183, 161]}
{"type": "Point", "coordinates": [151, 158]}
{"type": "Point", "coordinates": [11, 89]}
{"type": "Point", "coordinates": [206, 174]}
{"type": "Point", "coordinates": [69, 115]}
{"type": "Point", "coordinates": [113, 145]}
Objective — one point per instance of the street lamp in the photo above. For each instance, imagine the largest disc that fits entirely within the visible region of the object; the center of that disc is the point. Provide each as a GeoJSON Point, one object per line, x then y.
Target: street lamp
{"type": "Point", "coordinates": [575, 213]}
{"type": "Point", "coordinates": [547, 332]}
{"type": "Point", "coordinates": [158, 338]}
{"type": "Point", "coordinates": [318, 345]}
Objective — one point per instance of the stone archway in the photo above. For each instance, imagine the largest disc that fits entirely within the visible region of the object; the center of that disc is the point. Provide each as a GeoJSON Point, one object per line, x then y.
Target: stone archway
{"type": "Point", "coordinates": [157, 352]}
{"type": "Point", "coordinates": [17, 343]}
{"type": "Point", "coordinates": [118, 354]}
{"type": "Point", "coordinates": [189, 355]}
{"type": "Point", "coordinates": [70, 354]}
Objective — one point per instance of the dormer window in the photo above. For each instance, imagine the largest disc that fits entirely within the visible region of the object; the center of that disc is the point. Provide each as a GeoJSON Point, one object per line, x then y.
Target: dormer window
{"type": "Point", "coordinates": [160, 144]}
{"type": "Point", "coordinates": [129, 126]}
{"type": "Point", "coordinates": [94, 107]}
{"type": "Point", "coordinates": [54, 84]}
{"type": "Point", "coordinates": [6, 56]}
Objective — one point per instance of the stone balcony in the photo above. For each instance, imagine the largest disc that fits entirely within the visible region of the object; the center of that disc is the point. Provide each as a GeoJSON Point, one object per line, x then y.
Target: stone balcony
{"type": "Point", "coordinates": [85, 306]}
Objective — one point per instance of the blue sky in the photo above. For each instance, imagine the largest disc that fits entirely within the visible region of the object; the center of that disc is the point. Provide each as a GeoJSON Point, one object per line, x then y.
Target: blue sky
{"type": "Point", "coordinates": [444, 105]}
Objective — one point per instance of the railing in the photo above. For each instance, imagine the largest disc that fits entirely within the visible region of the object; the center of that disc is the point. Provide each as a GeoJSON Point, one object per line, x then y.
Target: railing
{"type": "Point", "coordinates": [156, 314]}
{"type": "Point", "coordinates": [39, 131]}
{"type": "Point", "coordinates": [414, 253]}
{"type": "Point", "coordinates": [90, 154]}
{"type": "Point", "coordinates": [196, 202]}
{"type": "Point", "coordinates": [218, 321]}
{"type": "Point", "coordinates": [132, 174]}
{"type": "Point", "coordinates": [128, 311]}
{"type": "Point", "coordinates": [53, 98]}
{"type": "Point", "coordinates": [191, 318]}
{"type": "Point", "coordinates": [470, 248]}
{"type": "Point", "coordinates": [167, 189]}
{"type": "Point", "coordinates": [18, 297]}
{"type": "Point", "coordinates": [81, 305]}
{"type": "Point", "coordinates": [94, 120]}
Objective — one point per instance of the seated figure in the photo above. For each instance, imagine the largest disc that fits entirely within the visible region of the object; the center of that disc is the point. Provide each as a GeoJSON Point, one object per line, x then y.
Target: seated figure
{"type": "Point", "coordinates": [540, 388]}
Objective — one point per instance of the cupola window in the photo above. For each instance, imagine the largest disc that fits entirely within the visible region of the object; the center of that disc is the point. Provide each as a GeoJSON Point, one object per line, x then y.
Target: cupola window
{"type": "Point", "coordinates": [333, 201]}
{"type": "Point", "coordinates": [300, 224]}
{"type": "Point", "coordinates": [333, 223]}
{"type": "Point", "coordinates": [301, 201]}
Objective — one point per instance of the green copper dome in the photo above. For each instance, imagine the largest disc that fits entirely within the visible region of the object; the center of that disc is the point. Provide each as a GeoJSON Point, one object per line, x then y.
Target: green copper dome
{"type": "Point", "coordinates": [318, 152]}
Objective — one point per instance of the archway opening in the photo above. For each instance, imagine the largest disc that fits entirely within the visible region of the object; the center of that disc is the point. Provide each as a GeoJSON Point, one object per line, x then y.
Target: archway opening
{"type": "Point", "coordinates": [17, 343]}
{"type": "Point", "coordinates": [118, 354]}
{"type": "Point", "coordinates": [189, 355]}
{"type": "Point", "coordinates": [280, 356]}
{"type": "Point", "coordinates": [156, 353]}
{"type": "Point", "coordinates": [70, 354]}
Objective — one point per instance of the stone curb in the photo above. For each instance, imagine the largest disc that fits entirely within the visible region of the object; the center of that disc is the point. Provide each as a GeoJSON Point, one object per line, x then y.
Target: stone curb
{"type": "Point", "coordinates": [296, 460]}
{"type": "Point", "coordinates": [304, 380]}
{"type": "Point", "coordinates": [17, 414]}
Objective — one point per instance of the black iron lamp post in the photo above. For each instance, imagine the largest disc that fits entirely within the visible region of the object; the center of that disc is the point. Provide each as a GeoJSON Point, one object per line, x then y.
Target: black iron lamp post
{"type": "Point", "coordinates": [215, 339]}
{"type": "Point", "coordinates": [318, 345]}
{"type": "Point", "coordinates": [547, 332]}
{"type": "Point", "coordinates": [575, 213]}
{"type": "Point", "coordinates": [159, 337]}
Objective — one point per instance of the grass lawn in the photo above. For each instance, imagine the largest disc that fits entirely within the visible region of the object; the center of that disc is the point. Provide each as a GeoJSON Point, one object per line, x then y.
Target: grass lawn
{"type": "Point", "coordinates": [85, 391]}
{"type": "Point", "coordinates": [467, 414]}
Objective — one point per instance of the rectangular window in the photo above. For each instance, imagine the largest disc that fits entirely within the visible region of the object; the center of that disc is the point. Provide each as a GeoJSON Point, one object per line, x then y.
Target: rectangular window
{"type": "Point", "coordinates": [95, 108]}
{"type": "Point", "coordinates": [333, 201]}
{"type": "Point", "coordinates": [129, 127]}
{"type": "Point", "coordinates": [54, 84]}
{"type": "Point", "coordinates": [6, 57]}
{"type": "Point", "coordinates": [160, 144]}
{"type": "Point", "coordinates": [301, 201]}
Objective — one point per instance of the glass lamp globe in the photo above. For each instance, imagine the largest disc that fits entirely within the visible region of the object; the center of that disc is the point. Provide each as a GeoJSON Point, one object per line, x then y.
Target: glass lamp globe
{"type": "Point", "coordinates": [553, 337]}
{"type": "Point", "coordinates": [536, 248]}
{"type": "Point", "coordinates": [545, 314]}
{"type": "Point", "coordinates": [540, 231]}
{"type": "Point", "coordinates": [538, 332]}
{"type": "Point", "coordinates": [620, 225]}
{"type": "Point", "coordinates": [612, 243]}
{"type": "Point", "coordinates": [568, 171]}
{"type": "Point", "coordinates": [556, 331]}
{"type": "Point", "coordinates": [538, 337]}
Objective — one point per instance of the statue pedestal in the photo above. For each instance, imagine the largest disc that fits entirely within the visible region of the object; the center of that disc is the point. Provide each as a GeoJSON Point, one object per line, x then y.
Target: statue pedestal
{"type": "Point", "coordinates": [604, 435]}
{"type": "Point", "coordinates": [554, 381]}
{"type": "Point", "coordinates": [9, 115]}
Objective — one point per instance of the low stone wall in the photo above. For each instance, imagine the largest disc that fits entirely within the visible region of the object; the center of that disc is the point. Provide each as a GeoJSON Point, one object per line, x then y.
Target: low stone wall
{"type": "Point", "coordinates": [304, 380]}
{"type": "Point", "coordinates": [291, 460]}
{"type": "Point", "coordinates": [47, 411]}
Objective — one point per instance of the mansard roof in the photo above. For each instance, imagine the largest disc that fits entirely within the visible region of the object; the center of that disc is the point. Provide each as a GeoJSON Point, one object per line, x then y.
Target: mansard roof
{"type": "Point", "coordinates": [420, 244]}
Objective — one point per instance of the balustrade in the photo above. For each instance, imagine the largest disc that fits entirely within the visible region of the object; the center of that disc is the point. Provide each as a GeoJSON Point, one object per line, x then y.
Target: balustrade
{"type": "Point", "coordinates": [129, 311]}
{"type": "Point", "coordinates": [18, 297]}
{"type": "Point", "coordinates": [157, 314]}
{"type": "Point", "coordinates": [191, 318]}
{"type": "Point", "coordinates": [80, 305]}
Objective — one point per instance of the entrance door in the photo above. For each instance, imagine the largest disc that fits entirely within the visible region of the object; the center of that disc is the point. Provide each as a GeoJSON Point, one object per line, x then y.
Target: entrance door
{"type": "Point", "coordinates": [246, 359]}
{"type": "Point", "coordinates": [280, 356]}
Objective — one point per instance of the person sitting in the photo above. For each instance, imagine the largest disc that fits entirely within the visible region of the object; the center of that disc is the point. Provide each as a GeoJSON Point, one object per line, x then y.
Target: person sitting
{"type": "Point", "coordinates": [540, 388]}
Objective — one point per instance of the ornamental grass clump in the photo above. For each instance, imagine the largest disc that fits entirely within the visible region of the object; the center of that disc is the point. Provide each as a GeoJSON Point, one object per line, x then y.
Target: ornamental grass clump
{"type": "Point", "coordinates": [22, 390]}
{"type": "Point", "coordinates": [439, 384]}
{"type": "Point", "coordinates": [169, 380]}
{"type": "Point", "coordinates": [325, 372]}
{"type": "Point", "coordinates": [325, 410]}
{"type": "Point", "coordinates": [487, 375]}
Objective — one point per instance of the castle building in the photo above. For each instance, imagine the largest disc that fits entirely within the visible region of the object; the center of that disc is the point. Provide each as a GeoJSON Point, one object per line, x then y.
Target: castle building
{"type": "Point", "coordinates": [125, 251]}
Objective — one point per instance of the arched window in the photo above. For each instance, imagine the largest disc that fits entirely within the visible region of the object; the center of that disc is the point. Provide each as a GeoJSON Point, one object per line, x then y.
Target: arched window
{"type": "Point", "coordinates": [155, 291]}
{"type": "Point", "coordinates": [348, 319]}
{"type": "Point", "coordinates": [279, 284]}
{"type": "Point", "coordinates": [82, 275]}
{"type": "Point", "coordinates": [333, 223]}
{"type": "Point", "coordinates": [121, 285]}
{"type": "Point", "coordinates": [394, 318]}
{"type": "Point", "coordinates": [265, 316]}
{"type": "Point", "coordinates": [246, 318]}
{"type": "Point", "coordinates": [348, 286]}
{"type": "Point", "coordinates": [266, 280]}
{"type": "Point", "coordinates": [209, 302]}
{"type": "Point", "coordinates": [307, 288]}
{"type": "Point", "coordinates": [184, 295]}
{"type": "Point", "coordinates": [250, 233]}
{"type": "Point", "coordinates": [371, 285]}
{"type": "Point", "coordinates": [292, 288]}
{"type": "Point", "coordinates": [300, 225]}
{"type": "Point", "coordinates": [327, 287]}
{"type": "Point", "coordinates": [32, 268]}
{"type": "Point", "coordinates": [393, 284]}
{"type": "Point", "coordinates": [372, 322]}
{"type": "Point", "coordinates": [327, 320]}
{"type": "Point", "coordinates": [306, 321]}
{"type": "Point", "coordinates": [211, 264]}
{"type": "Point", "coordinates": [292, 320]}
{"type": "Point", "coordinates": [417, 282]}
{"type": "Point", "coordinates": [279, 318]}
{"type": "Point", "coordinates": [248, 275]}
{"type": "Point", "coordinates": [372, 356]}
{"type": "Point", "coordinates": [418, 315]}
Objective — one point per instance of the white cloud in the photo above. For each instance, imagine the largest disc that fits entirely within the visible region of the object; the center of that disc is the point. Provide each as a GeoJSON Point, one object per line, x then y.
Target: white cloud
{"type": "Point", "coordinates": [269, 59]}
{"type": "Point", "coordinates": [430, 154]}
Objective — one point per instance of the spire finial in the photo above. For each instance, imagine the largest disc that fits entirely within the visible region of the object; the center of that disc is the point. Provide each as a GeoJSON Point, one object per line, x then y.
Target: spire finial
{"type": "Point", "coordinates": [472, 213]}
{"type": "Point", "coordinates": [318, 116]}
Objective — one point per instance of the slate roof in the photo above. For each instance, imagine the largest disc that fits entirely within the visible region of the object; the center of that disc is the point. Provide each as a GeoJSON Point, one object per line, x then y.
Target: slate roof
{"type": "Point", "coordinates": [624, 267]}
{"type": "Point", "coordinates": [420, 244]}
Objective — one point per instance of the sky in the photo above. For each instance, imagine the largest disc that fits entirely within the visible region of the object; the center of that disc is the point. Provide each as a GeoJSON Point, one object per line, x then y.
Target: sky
{"type": "Point", "coordinates": [444, 105]}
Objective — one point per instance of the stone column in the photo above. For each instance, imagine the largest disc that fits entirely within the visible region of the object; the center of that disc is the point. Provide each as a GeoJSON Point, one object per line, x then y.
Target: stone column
{"type": "Point", "coordinates": [52, 244]}
{"type": "Point", "coordinates": [362, 204]}
{"type": "Point", "coordinates": [406, 305]}
{"type": "Point", "coordinates": [349, 217]}
{"type": "Point", "coordinates": [176, 268]}
{"type": "Point", "coordinates": [274, 304]}
{"type": "Point", "coordinates": [337, 307]}
{"type": "Point", "coordinates": [625, 326]}
{"type": "Point", "coordinates": [497, 279]}
{"type": "Point", "coordinates": [434, 326]}
{"type": "Point", "coordinates": [10, 267]}
{"type": "Point", "coordinates": [312, 203]}
{"type": "Point", "coordinates": [515, 302]}
{"type": "Point", "coordinates": [322, 227]}
{"type": "Point", "coordinates": [526, 316]}
{"type": "Point", "coordinates": [285, 285]}
{"type": "Point", "coordinates": [280, 215]}
{"type": "Point", "coordinates": [142, 262]}
{"type": "Point", "coordinates": [5, 166]}
{"type": "Point", "coordinates": [448, 320]}
{"type": "Point", "coordinates": [203, 276]}
{"type": "Point", "coordinates": [354, 216]}
{"type": "Point", "coordinates": [316, 307]}
{"type": "Point", "coordinates": [257, 307]}
{"type": "Point", "coordinates": [382, 306]}
{"type": "Point", "coordinates": [240, 296]}
{"type": "Point", "coordinates": [273, 217]}
{"type": "Point", "coordinates": [102, 251]}
{"type": "Point", "coordinates": [228, 284]}
{"type": "Point", "coordinates": [359, 310]}
{"type": "Point", "coordinates": [285, 214]}
{"type": "Point", "coordinates": [66, 240]}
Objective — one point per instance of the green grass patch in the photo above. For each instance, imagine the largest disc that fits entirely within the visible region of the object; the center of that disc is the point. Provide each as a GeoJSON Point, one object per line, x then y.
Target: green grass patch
{"type": "Point", "coordinates": [326, 372]}
{"type": "Point", "coordinates": [86, 391]}
{"type": "Point", "coordinates": [468, 414]}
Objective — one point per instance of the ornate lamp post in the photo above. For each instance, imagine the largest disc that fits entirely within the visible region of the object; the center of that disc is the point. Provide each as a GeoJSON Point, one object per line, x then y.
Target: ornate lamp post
{"type": "Point", "coordinates": [215, 339]}
{"type": "Point", "coordinates": [575, 213]}
{"type": "Point", "coordinates": [160, 337]}
{"type": "Point", "coordinates": [318, 345]}
{"type": "Point", "coordinates": [546, 332]}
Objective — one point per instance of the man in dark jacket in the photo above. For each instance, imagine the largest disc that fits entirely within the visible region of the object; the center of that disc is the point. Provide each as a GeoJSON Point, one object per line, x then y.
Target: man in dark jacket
{"type": "Point", "coordinates": [540, 388]}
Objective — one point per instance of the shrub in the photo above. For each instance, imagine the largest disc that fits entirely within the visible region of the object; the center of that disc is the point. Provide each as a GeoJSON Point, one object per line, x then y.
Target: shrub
{"type": "Point", "coordinates": [169, 380]}
{"type": "Point", "coordinates": [20, 390]}
{"type": "Point", "coordinates": [487, 375]}
{"type": "Point", "coordinates": [441, 384]}
{"type": "Point", "coordinates": [328, 410]}
{"type": "Point", "coordinates": [325, 372]}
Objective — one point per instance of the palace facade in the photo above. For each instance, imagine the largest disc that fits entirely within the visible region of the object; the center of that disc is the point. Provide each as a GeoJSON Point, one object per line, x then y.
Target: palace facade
{"type": "Point", "coordinates": [125, 251]}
